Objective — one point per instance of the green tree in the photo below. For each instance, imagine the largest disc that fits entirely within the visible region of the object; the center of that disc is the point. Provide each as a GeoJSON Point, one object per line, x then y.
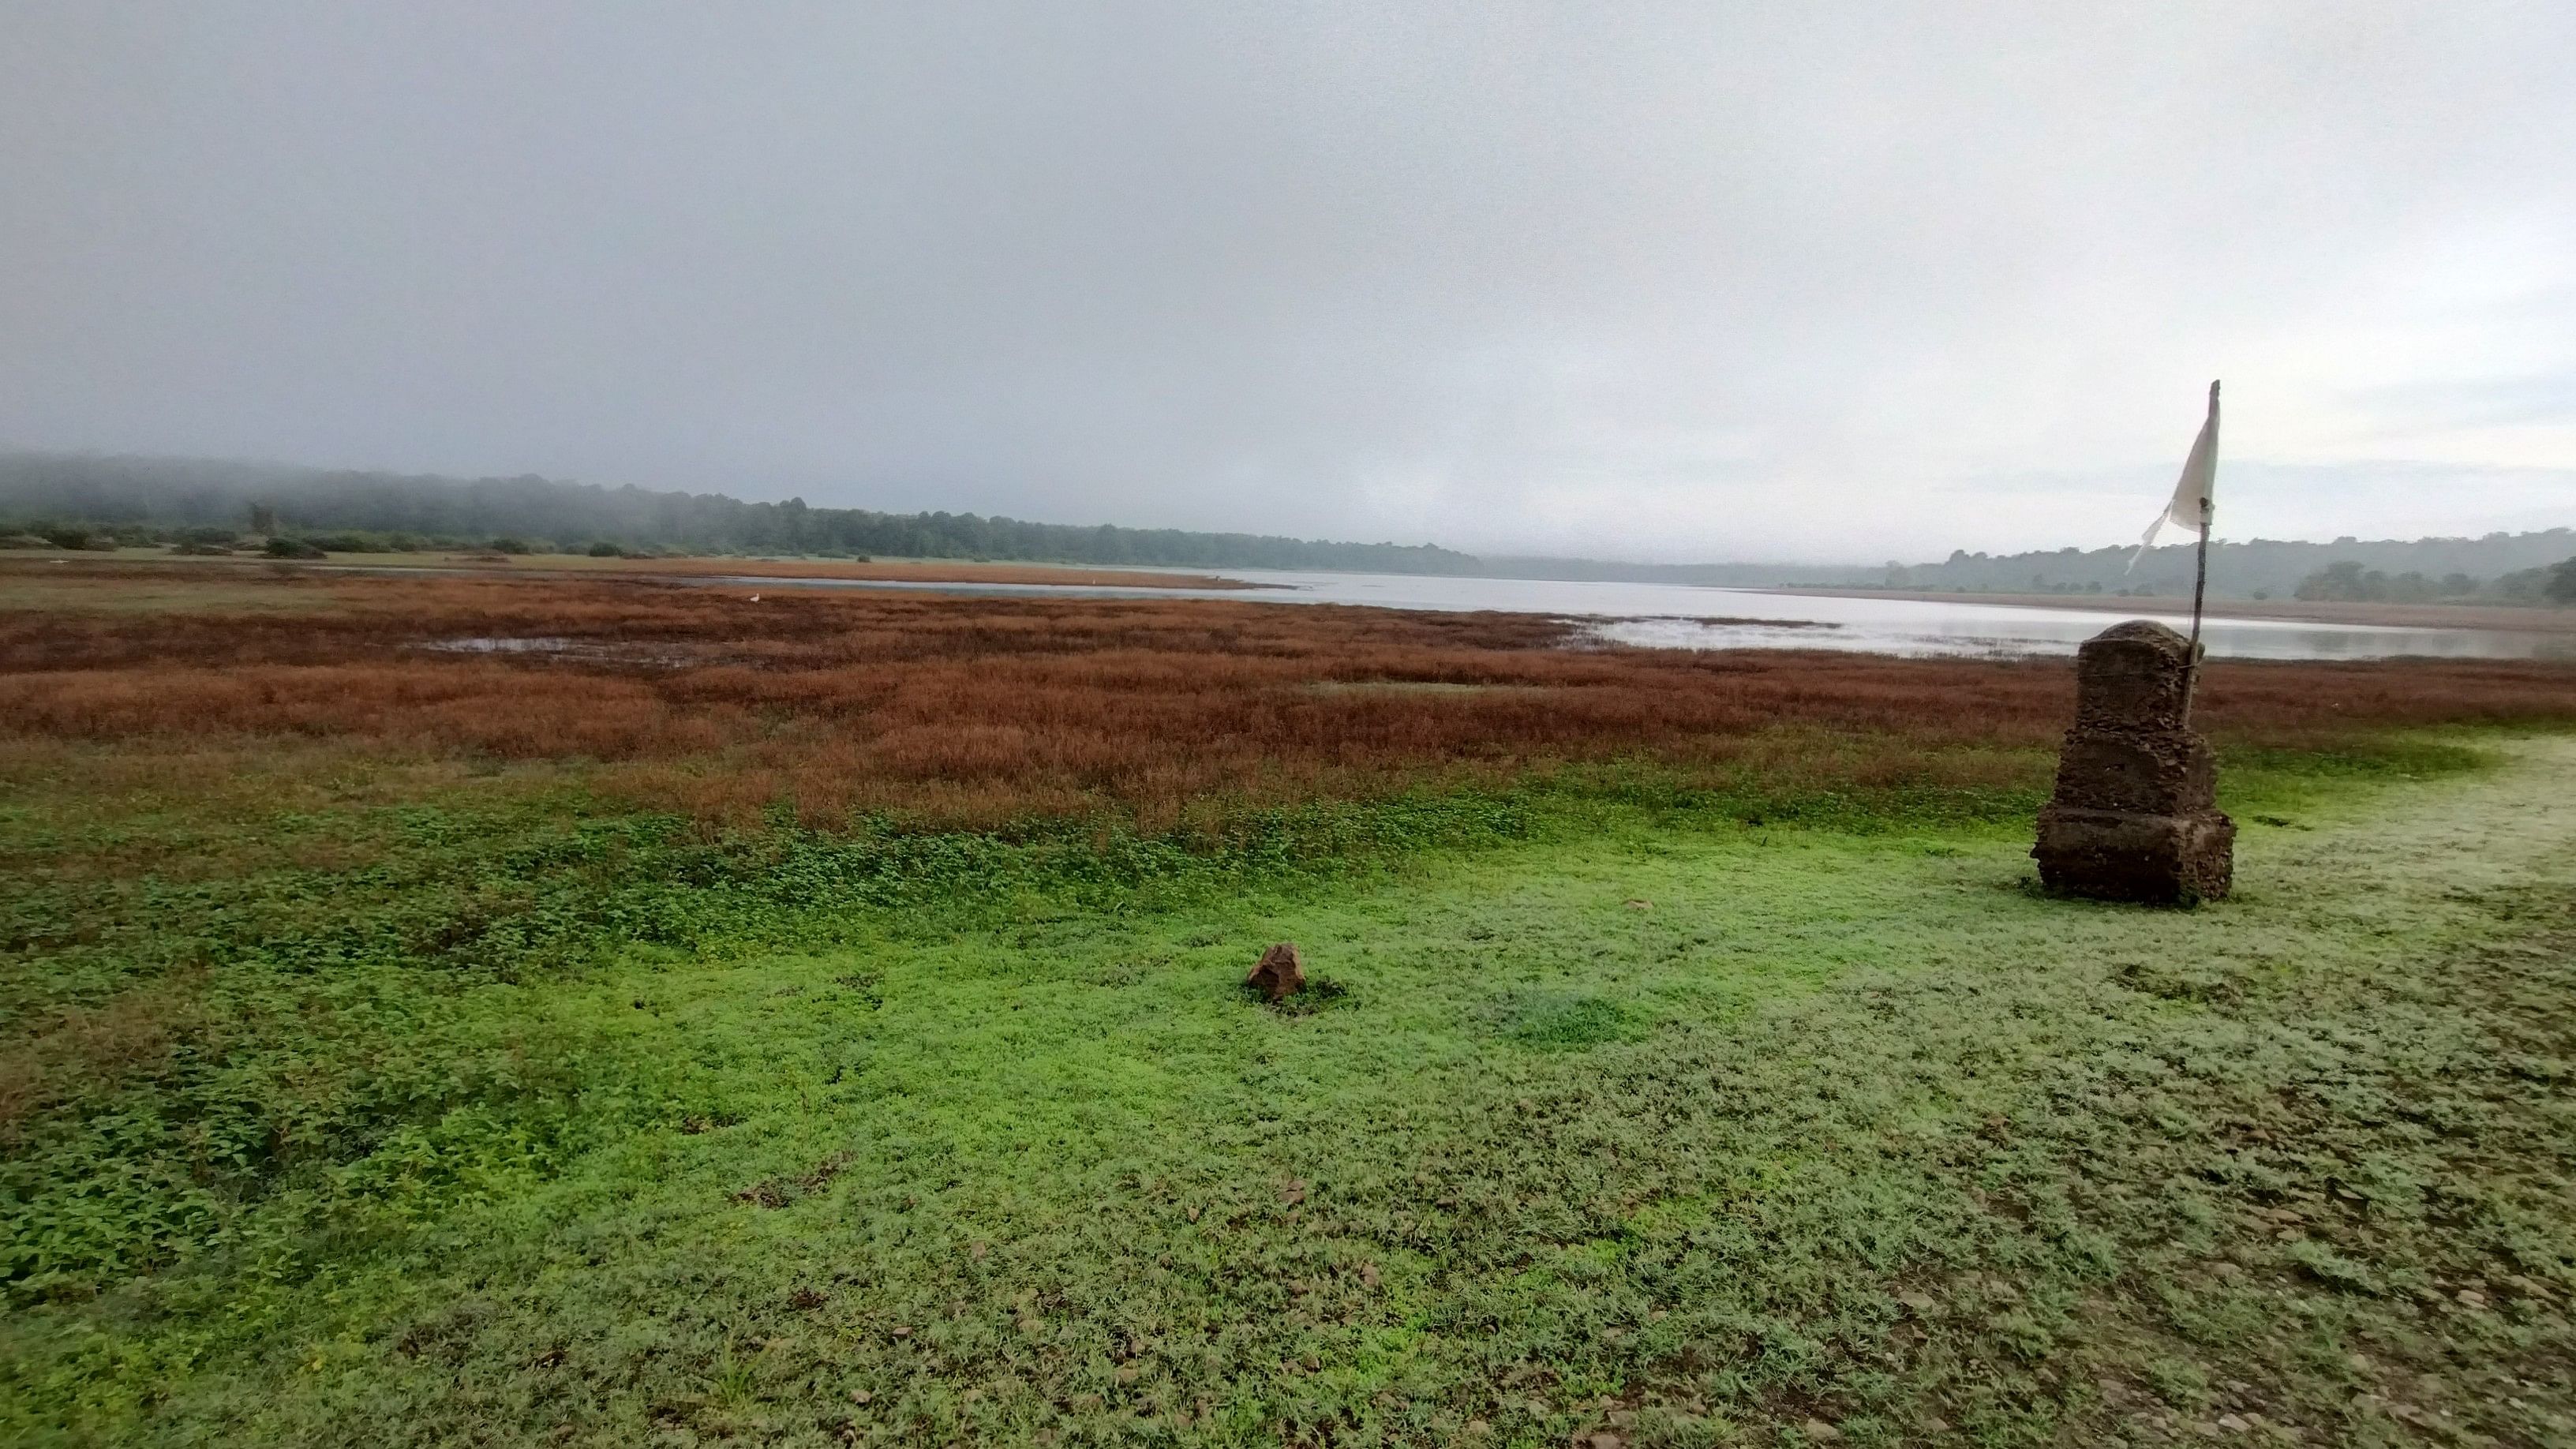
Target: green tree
{"type": "Point", "coordinates": [2344, 581]}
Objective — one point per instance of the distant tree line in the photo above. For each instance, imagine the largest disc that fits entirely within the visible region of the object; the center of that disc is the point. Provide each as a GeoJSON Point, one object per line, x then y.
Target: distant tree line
{"type": "Point", "coordinates": [2498, 568]}
{"type": "Point", "coordinates": [79, 500]}
{"type": "Point", "coordinates": [2350, 582]}
{"type": "Point", "coordinates": [160, 498]}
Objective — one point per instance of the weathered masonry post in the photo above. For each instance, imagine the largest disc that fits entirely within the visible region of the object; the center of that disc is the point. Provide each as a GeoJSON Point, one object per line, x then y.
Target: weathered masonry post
{"type": "Point", "coordinates": [2135, 813]}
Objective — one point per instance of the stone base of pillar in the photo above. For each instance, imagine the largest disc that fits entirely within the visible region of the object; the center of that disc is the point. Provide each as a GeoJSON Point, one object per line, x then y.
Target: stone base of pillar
{"type": "Point", "coordinates": [2135, 816]}
{"type": "Point", "coordinates": [2114, 855]}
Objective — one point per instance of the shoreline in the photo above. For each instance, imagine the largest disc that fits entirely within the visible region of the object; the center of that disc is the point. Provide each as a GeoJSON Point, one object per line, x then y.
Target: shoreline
{"type": "Point", "coordinates": [2497, 617]}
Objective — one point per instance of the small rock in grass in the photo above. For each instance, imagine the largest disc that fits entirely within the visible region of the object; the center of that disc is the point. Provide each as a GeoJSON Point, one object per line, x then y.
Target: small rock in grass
{"type": "Point", "coordinates": [2233, 1424]}
{"type": "Point", "coordinates": [1278, 974]}
{"type": "Point", "coordinates": [1822, 1432]}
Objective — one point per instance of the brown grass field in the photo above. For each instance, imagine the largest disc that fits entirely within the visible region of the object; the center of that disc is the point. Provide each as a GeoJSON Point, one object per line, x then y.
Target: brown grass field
{"type": "Point", "coordinates": [973, 712]}
{"type": "Point", "coordinates": [920, 571]}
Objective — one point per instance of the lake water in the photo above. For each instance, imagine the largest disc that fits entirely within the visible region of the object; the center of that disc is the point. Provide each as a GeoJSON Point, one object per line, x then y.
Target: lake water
{"type": "Point", "coordinates": [1682, 616]}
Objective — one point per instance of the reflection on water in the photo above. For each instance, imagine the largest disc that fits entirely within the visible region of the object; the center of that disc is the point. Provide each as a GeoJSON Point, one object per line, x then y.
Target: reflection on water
{"type": "Point", "coordinates": [2062, 629]}
{"type": "Point", "coordinates": [1681, 616]}
{"type": "Point", "coordinates": [549, 646]}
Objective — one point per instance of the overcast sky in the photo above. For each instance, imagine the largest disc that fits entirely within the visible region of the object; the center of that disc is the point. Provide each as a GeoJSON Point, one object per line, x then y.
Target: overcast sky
{"type": "Point", "coordinates": [1700, 281]}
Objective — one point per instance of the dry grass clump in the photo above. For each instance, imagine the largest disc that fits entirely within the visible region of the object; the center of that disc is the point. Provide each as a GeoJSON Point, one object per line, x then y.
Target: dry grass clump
{"type": "Point", "coordinates": [975, 711]}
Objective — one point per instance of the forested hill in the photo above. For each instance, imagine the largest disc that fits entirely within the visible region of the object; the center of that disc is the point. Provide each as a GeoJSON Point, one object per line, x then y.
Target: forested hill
{"type": "Point", "coordinates": [2499, 566]}
{"type": "Point", "coordinates": [45, 492]}
{"type": "Point", "coordinates": [37, 488]}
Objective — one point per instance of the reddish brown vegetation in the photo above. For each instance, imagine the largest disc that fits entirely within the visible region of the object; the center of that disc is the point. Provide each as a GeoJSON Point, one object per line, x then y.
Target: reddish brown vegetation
{"type": "Point", "coordinates": [938, 571]}
{"type": "Point", "coordinates": [977, 710]}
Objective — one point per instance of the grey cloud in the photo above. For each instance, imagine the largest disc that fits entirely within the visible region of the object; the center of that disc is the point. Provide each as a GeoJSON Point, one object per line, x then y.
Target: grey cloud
{"type": "Point", "coordinates": [2509, 401]}
{"type": "Point", "coordinates": [1663, 281]}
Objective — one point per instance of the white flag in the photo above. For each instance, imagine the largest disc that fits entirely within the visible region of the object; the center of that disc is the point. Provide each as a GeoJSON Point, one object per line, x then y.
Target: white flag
{"type": "Point", "coordinates": [2191, 506]}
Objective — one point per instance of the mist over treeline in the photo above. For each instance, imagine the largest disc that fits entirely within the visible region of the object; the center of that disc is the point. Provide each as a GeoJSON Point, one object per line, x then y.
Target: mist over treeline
{"type": "Point", "coordinates": [159, 498]}
{"type": "Point", "coordinates": [548, 513]}
{"type": "Point", "coordinates": [2499, 568]}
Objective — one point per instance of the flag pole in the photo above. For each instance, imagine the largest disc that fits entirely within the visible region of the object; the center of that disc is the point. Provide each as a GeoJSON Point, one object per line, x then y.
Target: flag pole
{"type": "Point", "coordinates": [2199, 581]}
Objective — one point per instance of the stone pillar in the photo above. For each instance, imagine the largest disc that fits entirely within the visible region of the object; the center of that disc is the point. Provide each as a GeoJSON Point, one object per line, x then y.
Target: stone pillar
{"type": "Point", "coordinates": [2135, 813]}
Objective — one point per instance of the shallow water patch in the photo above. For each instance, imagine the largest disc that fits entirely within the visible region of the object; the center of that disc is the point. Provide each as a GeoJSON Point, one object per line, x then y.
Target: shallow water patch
{"type": "Point", "coordinates": [587, 651]}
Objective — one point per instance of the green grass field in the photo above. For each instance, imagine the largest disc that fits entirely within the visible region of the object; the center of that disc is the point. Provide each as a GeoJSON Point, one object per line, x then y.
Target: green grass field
{"type": "Point", "coordinates": [1671, 1117]}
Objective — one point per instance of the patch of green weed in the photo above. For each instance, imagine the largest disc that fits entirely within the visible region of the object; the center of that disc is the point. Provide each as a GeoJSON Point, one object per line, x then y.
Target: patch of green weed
{"type": "Point", "coordinates": [1565, 1020]}
{"type": "Point", "coordinates": [545, 1126]}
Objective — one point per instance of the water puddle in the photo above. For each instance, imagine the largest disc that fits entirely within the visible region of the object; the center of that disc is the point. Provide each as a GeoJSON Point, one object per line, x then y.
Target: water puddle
{"type": "Point", "coordinates": [583, 651]}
